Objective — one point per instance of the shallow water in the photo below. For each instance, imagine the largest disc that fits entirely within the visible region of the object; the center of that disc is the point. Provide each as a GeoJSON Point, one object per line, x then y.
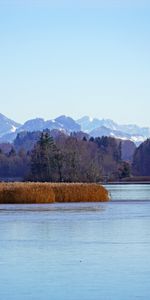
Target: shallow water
{"type": "Point", "coordinates": [85, 251]}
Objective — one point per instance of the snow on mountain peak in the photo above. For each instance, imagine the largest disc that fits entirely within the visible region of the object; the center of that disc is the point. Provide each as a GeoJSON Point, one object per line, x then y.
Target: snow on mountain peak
{"type": "Point", "coordinates": [92, 126]}
{"type": "Point", "coordinates": [13, 129]}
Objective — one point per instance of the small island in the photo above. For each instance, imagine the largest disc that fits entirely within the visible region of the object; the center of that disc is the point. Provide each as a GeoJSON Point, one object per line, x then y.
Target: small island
{"type": "Point", "coordinates": [36, 193]}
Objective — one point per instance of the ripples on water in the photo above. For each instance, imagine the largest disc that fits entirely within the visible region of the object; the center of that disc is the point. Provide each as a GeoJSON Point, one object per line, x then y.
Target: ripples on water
{"type": "Point", "coordinates": [88, 251]}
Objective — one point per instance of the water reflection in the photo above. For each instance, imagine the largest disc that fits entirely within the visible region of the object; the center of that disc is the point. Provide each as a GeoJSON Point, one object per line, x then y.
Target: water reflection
{"type": "Point", "coordinates": [57, 207]}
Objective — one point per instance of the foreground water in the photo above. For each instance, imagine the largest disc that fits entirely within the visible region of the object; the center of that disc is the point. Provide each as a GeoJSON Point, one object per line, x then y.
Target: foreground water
{"type": "Point", "coordinates": [77, 251]}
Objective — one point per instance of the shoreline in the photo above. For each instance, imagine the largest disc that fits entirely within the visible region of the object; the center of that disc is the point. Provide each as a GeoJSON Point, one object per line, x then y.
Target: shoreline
{"type": "Point", "coordinates": [125, 182]}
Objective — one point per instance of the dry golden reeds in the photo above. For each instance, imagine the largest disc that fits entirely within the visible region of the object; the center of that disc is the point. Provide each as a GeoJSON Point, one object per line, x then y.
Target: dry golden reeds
{"type": "Point", "coordinates": [20, 193]}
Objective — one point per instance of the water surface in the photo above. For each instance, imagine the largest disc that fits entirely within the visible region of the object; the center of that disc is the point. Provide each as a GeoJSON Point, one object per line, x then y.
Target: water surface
{"type": "Point", "coordinates": [85, 251]}
{"type": "Point", "coordinates": [129, 192]}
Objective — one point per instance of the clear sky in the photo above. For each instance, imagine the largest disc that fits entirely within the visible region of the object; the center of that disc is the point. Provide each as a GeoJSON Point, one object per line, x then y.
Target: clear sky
{"type": "Point", "coordinates": [75, 58]}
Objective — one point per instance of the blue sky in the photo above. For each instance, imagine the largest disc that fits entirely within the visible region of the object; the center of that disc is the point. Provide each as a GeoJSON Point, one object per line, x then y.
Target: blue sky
{"type": "Point", "coordinates": [75, 58]}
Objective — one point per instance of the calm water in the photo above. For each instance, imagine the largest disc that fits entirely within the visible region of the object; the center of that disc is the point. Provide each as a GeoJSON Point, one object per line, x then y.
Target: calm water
{"type": "Point", "coordinates": [129, 192]}
{"type": "Point", "coordinates": [77, 251]}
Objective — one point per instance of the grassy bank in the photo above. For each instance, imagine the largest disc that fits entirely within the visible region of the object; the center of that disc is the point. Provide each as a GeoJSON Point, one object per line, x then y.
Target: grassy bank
{"type": "Point", "coordinates": [19, 193]}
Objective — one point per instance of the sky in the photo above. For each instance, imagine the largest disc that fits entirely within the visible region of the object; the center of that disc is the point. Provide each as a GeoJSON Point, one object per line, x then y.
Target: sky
{"type": "Point", "coordinates": [75, 58]}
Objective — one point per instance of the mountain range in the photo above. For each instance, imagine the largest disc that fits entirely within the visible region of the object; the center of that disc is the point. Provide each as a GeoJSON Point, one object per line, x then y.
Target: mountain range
{"type": "Point", "coordinates": [92, 127]}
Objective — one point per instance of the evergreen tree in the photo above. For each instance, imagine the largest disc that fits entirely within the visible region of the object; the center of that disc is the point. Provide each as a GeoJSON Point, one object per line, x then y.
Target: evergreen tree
{"type": "Point", "coordinates": [43, 159]}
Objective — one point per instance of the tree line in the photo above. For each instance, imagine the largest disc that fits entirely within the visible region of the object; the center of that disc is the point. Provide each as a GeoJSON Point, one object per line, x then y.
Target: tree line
{"type": "Point", "coordinates": [64, 159]}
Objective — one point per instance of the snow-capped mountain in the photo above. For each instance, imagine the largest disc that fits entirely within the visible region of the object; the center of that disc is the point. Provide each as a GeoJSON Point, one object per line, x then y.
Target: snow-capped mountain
{"type": "Point", "coordinates": [7, 125]}
{"type": "Point", "coordinates": [93, 127]}
{"type": "Point", "coordinates": [88, 124]}
{"type": "Point", "coordinates": [68, 124]}
{"type": "Point", "coordinates": [104, 131]}
{"type": "Point", "coordinates": [96, 127]}
{"type": "Point", "coordinates": [62, 123]}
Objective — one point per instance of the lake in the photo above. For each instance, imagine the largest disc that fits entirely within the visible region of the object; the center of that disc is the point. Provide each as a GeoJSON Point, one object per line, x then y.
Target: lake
{"type": "Point", "coordinates": [78, 251]}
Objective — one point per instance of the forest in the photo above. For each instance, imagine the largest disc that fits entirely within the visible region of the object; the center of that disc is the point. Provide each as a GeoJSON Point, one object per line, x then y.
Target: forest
{"type": "Point", "coordinates": [40, 157]}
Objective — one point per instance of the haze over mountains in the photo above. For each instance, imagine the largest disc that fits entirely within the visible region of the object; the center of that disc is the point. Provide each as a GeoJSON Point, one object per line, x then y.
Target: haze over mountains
{"type": "Point", "coordinates": [93, 127]}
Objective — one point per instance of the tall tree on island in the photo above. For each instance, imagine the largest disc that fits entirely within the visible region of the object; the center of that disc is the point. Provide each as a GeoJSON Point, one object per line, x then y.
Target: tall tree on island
{"type": "Point", "coordinates": [43, 162]}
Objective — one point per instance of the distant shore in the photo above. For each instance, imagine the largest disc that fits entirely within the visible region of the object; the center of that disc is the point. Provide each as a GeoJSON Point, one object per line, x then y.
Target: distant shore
{"type": "Point", "coordinates": [30, 193]}
{"type": "Point", "coordinates": [131, 180]}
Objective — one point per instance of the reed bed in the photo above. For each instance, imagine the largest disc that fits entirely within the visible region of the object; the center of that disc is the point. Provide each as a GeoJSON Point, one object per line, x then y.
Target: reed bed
{"type": "Point", "coordinates": [30, 193]}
